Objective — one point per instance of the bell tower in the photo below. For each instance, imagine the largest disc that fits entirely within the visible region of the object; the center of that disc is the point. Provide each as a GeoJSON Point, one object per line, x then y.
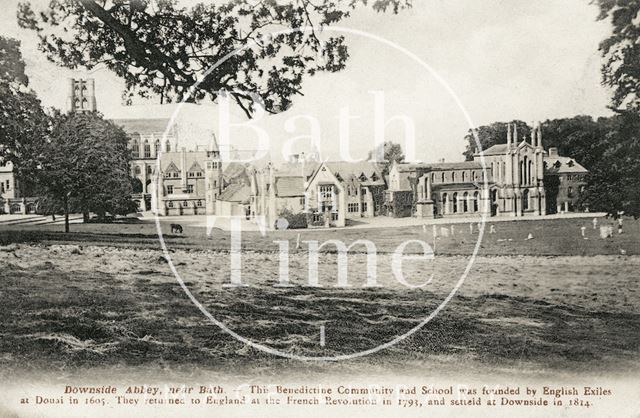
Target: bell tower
{"type": "Point", "coordinates": [81, 95]}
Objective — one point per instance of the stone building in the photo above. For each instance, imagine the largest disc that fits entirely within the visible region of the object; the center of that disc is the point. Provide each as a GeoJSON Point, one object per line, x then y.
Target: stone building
{"type": "Point", "coordinates": [515, 175]}
{"type": "Point", "coordinates": [566, 181]}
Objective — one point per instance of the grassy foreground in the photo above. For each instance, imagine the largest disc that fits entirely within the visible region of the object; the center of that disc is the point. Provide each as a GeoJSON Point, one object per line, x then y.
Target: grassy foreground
{"type": "Point", "coordinates": [96, 302]}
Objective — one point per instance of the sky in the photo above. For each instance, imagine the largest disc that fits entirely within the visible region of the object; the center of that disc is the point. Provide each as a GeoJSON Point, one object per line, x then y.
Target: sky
{"type": "Point", "coordinates": [443, 65]}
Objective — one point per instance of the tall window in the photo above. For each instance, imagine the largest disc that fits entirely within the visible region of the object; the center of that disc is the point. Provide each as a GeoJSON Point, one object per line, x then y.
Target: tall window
{"type": "Point", "coordinates": [147, 150]}
{"type": "Point", "coordinates": [168, 146]}
{"type": "Point", "coordinates": [157, 146]}
{"type": "Point", "coordinates": [465, 204]}
{"type": "Point", "coordinates": [135, 149]}
{"type": "Point", "coordinates": [475, 201]}
{"type": "Point", "coordinates": [445, 203]}
{"type": "Point", "coordinates": [455, 202]}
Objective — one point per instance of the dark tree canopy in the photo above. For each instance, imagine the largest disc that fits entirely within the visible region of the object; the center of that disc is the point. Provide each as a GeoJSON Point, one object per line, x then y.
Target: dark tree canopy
{"type": "Point", "coordinates": [621, 50]}
{"type": "Point", "coordinates": [23, 122]}
{"type": "Point", "coordinates": [495, 133]}
{"type": "Point", "coordinates": [160, 48]}
{"type": "Point", "coordinates": [87, 166]}
{"type": "Point", "coordinates": [386, 154]}
{"type": "Point", "coordinates": [608, 147]}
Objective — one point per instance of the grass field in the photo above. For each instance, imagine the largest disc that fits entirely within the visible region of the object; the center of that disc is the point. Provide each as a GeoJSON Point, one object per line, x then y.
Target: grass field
{"type": "Point", "coordinates": [103, 296]}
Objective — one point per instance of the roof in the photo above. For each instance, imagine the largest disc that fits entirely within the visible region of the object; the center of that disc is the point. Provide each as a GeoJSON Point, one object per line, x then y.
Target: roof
{"type": "Point", "coordinates": [143, 126]}
{"type": "Point", "coordinates": [495, 149]}
{"type": "Point", "coordinates": [236, 193]}
{"type": "Point", "coordinates": [306, 168]}
{"type": "Point", "coordinates": [234, 170]}
{"type": "Point", "coordinates": [462, 165]}
{"type": "Point", "coordinates": [345, 171]}
{"type": "Point", "coordinates": [289, 186]}
{"type": "Point", "coordinates": [175, 157]}
{"type": "Point", "coordinates": [563, 165]}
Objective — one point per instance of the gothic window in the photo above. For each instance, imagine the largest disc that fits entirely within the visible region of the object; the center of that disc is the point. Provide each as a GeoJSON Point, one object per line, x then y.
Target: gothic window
{"type": "Point", "coordinates": [453, 177]}
{"type": "Point", "coordinates": [475, 201]}
{"type": "Point", "coordinates": [149, 169]}
{"type": "Point", "coordinates": [463, 173]}
{"type": "Point", "coordinates": [445, 203]}
{"type": "Point", "coordinates": [465, 204]}
{"type": "Point", "coordinates": [157, 146]}
{"type": "Point", "coordinates": [168, 146]}
{"type": "Point", "coordinates": [443, 176]}
{"type": "Point", "coordinates": [135, 149]}
{"type": "Point", "coordinates": [455, 202]}
{"type": "Point", "coordinates": [147, 150]}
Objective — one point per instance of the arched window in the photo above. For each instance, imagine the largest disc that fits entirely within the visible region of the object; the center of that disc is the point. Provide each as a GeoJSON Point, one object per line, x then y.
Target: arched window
{"type": "Point", "coordinates": [525, 199]}
{"type": "Point", "coordinates": [465, 202]}
{"type": "Point", "coordinates": [147, 149]}
{"type": "Point", "coordinates": [455, 202]}
{"type": "Point", "coordinates": [463, 173]}
{"type": "Point", "coordinates": [531, 173]}
{"type": "Point", "coordinates": [443, 176]}
{"type": "Point", "coordinates": [453, 176]}
{"type": "Point", "coordinates": [157, 146]}
{"type": "Point", "coordinates": [168, 146]}
{"type": "Point", "coordinates": [445, 203]}
{"type": "Point", "coordinates": [476, 195]}
{"type": "Point", "coordinates": [135, 149]}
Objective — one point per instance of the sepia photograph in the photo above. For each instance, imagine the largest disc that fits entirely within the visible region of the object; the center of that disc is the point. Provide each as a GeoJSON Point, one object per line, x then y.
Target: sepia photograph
{"type": "Point", "coordinates": [284, 208]}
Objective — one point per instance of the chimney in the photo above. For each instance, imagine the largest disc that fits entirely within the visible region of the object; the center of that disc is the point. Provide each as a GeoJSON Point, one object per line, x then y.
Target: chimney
{"type": "Point", "coordinates": [553, 152]}
{"type": "Point", "coordinates": [509, 135]}
{"type": "Point", "coordinates": [183, 163]}
{"type": "Point", "coordinates": [515, 134]}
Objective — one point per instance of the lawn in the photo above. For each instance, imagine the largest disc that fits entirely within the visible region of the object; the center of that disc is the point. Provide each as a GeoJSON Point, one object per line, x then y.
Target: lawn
{"type": "Point", "coordinates": [104, 297]}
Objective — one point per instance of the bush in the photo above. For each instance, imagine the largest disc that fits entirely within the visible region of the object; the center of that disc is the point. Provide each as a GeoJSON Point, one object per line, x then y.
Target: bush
{"type": "Point", "coordinates": [296, 220]}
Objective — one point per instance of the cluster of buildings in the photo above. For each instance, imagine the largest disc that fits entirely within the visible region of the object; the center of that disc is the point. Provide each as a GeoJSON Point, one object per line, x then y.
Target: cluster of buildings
{"type": "Point", "coordinates": [174, 177]}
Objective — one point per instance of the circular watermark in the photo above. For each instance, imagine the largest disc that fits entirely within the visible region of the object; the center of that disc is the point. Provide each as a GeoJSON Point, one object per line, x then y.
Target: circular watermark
{"type": "Point", "coordinates": [283, 224]}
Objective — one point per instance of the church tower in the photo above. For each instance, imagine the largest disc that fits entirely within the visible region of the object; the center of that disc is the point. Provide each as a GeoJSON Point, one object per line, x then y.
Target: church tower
{"type": "Point", "coordinates": [81, 95]}
{"type": "Point", "coordinates": [212, 176]}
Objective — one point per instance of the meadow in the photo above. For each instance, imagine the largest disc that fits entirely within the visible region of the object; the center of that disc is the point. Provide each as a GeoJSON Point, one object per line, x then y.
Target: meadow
{"type": "Point", "coordinates": [105, 297]}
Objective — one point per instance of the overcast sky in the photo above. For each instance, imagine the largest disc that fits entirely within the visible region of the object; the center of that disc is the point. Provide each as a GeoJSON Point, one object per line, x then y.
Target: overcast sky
{"type": "Point", "coordinates": [510, 59]}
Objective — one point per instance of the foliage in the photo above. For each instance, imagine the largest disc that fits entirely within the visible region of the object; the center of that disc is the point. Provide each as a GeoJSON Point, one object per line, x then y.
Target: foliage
{"type": "Point", "coordinates": [386, 154]}
{"type": "Point", "coordinates": [23, 122]}
{"type": "Point", "coordinates": [402, 204]}
{"type": "Point", "coordinates": [160, 48]}
{"type": "Point", "coordinates": [86, 166]}
{"type": "Point", "coordinates": [621, 51]}
{"type": "Point", "coordinates": [608, 147]}
{"type": "Point", "coordinates": [296, 220]}
{"type": "Point", "coordinates": [495, 133]}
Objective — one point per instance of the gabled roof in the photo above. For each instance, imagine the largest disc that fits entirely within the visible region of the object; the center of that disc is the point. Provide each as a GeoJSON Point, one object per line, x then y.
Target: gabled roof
{"type": "Point", "coordinates": [195, 167]}
{"type": "Point", "coordinates": [236, 192]}
{"type": "Point", "coordinates": [171, 168]}
{"type": "Point", "coordinates": [345, 171]}
{"type": "Point", "coordinates": [495, 149]}
{"type": "Point", "coordinates": [289, 186]}
{"type": "Point", "coordinates": [563, 165]}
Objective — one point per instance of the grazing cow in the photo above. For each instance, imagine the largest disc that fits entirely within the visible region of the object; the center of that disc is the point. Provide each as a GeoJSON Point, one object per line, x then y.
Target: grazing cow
{"type": "Point", "coordinates": [177, 228]}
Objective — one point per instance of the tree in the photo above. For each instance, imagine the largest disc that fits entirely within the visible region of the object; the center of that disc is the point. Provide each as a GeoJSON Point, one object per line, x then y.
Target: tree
{"type": "Point", "coordinates": [621, 50]}
{"type": "Point", "coordinates": [23, 122]}
{"type": "Point", "coordinates": [86, 166]}
{"type": "Point", "coordinates": [389, 152]}
{"type": "Point", "coordinates": [495, 133]}
{"type": "Point", "coordinates": [162, 49]}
